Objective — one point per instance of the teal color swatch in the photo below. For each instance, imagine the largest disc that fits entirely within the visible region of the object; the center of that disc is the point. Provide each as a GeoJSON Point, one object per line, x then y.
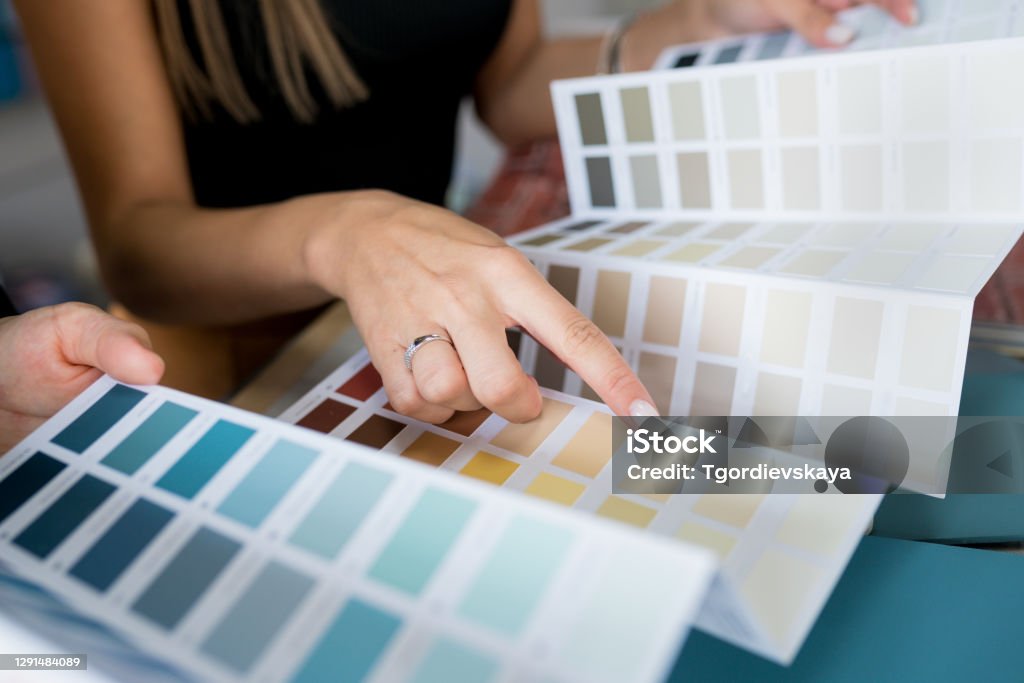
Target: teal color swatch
{"type": "Point", "coordinates": [121, 544]}
{"type": "Point", "coordinates": [148, 438]}
{"type": "Point", "coordinates": [257, 616]}
{"type": "Point", "coordinates": [98, 418]}
{"type": "Point", "coordinates": [57, 522]}
{"type": "Point", "coordinates": [453, 663]}
{"type": "Point", "coordinates": [422, 541]}
{"type": "Point", "coordinates": [341, 510]}
{"type": "Point", "coordinates": [186, 577]}
{"type": "Point", "coordinates": [267, 482]}
{"type": "Point", "coordinates": [351, 646]}
{"type": "Point", "coordinates": [514, 579]}
{"type": "Point", "coordinates": [205, 458]}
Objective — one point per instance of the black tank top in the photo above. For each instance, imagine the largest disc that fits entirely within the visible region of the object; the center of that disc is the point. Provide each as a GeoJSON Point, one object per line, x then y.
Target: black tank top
{"type": "Point", "coordinates": [418, 58]}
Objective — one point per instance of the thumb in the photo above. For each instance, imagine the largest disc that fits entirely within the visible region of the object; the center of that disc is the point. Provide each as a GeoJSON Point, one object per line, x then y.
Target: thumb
{"type": "Point", "coordinates": [817, 25]}
{"type": "Point", "coordinates": [90, 337]}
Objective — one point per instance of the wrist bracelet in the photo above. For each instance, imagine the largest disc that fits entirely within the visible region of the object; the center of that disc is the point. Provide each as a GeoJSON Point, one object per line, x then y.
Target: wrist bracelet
{"type": "Point", "coordinates": [610, 61]}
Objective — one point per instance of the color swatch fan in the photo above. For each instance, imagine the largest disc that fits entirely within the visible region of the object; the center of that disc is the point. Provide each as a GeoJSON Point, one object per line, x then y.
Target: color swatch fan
{"type": "Point", "coordinates": [779, 556]}
{"type": "Point", "coordinates": [235, 547]}
{"type": "Point", "coordinates": [789, 237]}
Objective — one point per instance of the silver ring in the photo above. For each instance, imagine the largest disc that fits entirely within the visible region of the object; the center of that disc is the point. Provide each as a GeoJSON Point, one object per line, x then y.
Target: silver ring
{"type": "Point", "coordinates": [418, 343]}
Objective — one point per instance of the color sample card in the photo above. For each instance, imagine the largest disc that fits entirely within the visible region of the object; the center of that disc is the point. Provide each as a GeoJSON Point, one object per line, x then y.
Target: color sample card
{"type": "Point", "coordinates": [766, 318]}
{"type": "Point", "coordinates": [941, 21]}
{"type": "Point", "coordinates": [780, 554]}
{"type": "Point", "coordinates": [926, 132]}
{"type": "Point", "coordinates": [825, 225]}
{"type": "Point", "coordinates": [240, 548]}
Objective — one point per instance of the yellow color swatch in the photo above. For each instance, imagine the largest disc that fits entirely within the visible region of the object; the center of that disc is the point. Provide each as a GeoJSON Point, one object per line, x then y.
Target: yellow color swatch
{"type": "Point", "coordinates": [626, 511]}
{"type": "Point", "coordinates": [639, 248]}
{"type": "Point", "coordinates": [489, 468]}
{"type": "Point", "coordinates": [820, 524]}
{"type": "Point", "coordinates": [590, 449]}
{"type": "Point", "coordinates": [734, 509]}
{"type": "Point", "coordinates": [555, 489]}
{"type": "Point", "coordinates": [712, 539]}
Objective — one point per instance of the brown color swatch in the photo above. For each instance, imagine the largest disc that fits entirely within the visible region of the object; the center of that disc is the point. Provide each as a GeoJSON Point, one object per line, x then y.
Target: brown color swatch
{"type": "Point", "coordinates": [566, 280]}
{"type": "Point", "coordinates": [326, 416]}
{"type": "Point", "coordinates": [466, 423]}
{"type": "Point", "coordinates": [549, 371]}
{"type": "Point", "coordinates": [431, 449]}
{"type": "Point", "coordinates": [376, 432]}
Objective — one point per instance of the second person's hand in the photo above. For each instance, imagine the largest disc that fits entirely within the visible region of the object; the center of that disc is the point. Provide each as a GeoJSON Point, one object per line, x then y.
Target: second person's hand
{"type": "Point", "coordinates": [408, 269]}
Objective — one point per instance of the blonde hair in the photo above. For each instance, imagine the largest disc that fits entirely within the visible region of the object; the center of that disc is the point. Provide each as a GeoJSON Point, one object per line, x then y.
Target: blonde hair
{"type": "Point", "coordinates": [297, 35]}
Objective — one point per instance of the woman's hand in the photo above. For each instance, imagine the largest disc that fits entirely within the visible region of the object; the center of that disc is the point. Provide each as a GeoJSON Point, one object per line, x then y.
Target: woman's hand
{"type": "Point", "coordinates": [407, 269]}
{"type": "Point", "coordinates": [686, 21]}
{"type": "Point", "coordinates": [50, 355]}
{"type": "Point", "coordinates": [815, 20]}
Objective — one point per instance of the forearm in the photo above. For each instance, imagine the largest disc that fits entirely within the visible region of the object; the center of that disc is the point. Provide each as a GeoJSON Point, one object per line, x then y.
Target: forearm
{"type": "Point", "coordinates": [521, 110]}
{"type": "Point", "coordinates": [174, 262]}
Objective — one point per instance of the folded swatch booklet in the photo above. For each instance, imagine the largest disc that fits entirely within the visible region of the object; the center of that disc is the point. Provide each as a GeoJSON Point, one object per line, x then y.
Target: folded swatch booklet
{"type": "Point", "coordinates": [763, 236]}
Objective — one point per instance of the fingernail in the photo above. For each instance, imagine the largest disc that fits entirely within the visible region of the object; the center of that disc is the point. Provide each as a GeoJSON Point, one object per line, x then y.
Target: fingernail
{"type": "Point", "coordinates": [641, 408]}
{"type": "Point", "coordinates": [913, 16]}
{"type": "Point", "coordinates": [839, 34]}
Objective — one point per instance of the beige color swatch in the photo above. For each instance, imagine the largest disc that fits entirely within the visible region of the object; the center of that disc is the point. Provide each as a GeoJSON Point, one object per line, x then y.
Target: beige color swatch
{"type": "Point", "coordinates": [658, 374]}
{"type": "Point", "coordinates": [819, 524]}
{"type": "Point", "coordinates": [694, 180]}
{"type": "Point", "coordinates": [712, 389]}
{"type": "Point", "coordinates": [611, 302]}
{"type": "Point", "coordinates": [722, 324]}
{"type": "Point", "coordinates": [741, 108]}
{"type": "Point", "coordinates": [797, 104]}
{"type": "Point", "coordinates": [786, 320]}
{"type": "Point", "coordinates": [663, 320]}
{"type": "Point", "coordinates": [525, 438]}
{"type": "Point", "coordinates": [686, 101]}
{"type": "Point", "coordinates": [590, 448]}
{"type": "Point", "coordinates": [930, 344]}
{"type": "Point", "coordinates": [856, 329]}
{"type": "Point", "coordinates": [777, 395]}
{"type": "Point", "coordinates": [636, 110]}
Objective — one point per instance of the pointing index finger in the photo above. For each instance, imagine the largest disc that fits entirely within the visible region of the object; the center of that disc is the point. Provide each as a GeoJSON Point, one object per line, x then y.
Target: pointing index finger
{"type": "Point", "coordinates": [582, 346]}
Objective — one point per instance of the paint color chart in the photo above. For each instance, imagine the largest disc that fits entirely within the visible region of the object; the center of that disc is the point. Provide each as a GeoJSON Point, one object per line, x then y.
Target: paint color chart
{"type": "Point", "coordinates": [796, 318]}
{"type": "Point", "coordinates": [942, 21]}
{"type": "Point", "coordinates": [795, 237]}
{"type": "Point", "coordinates": [240, 548]}
{"type": "Point", "coordinates": [780, 554]}
{"type": "Point", "coordinates": [926, 133]}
